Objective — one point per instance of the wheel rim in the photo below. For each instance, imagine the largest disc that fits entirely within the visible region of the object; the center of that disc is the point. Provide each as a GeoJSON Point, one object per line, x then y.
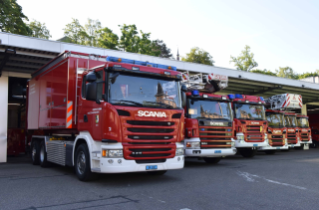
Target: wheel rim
{"type": "Point", "coordinates": [81, 162]}
{"type": "Point", "coordinates": [42, 154]}
{"type": "Point", "coordinates": [34, 152]}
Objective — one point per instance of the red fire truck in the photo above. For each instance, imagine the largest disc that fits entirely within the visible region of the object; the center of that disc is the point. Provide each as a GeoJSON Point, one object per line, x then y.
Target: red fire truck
{"type": "Point", "coordinates": [277, 132]}
{"type": "Point", "coordinates": [250, 123]}
{"type": "Point", "coordinates": [292, 130]}
{"type": "Point", "coordinates": [106, 115]}
{"type": "Point", "coordinates": [209, 121]}
{"type": "Point", "coordinates": [304, 131]}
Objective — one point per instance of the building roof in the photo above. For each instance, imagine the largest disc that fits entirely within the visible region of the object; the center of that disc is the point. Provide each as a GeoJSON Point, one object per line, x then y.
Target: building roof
{"type": "Point", "coordinates": [32, 53]}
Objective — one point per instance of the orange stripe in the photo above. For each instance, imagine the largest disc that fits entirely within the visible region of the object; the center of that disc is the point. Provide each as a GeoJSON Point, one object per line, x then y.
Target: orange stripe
{"type": "Point", "coordinates": [70, 108]}
{"type": "Point", "coordinates": [70, 126]}
{"type": "Point", "coordinates": [69, 118]}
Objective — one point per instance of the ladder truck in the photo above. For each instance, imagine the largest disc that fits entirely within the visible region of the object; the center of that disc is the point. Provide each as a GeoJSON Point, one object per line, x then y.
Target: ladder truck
{"type": "Point", "coordinates": [208, 118]}
{"type": "Point", "coordinates": [289, 102]}
{"type": "Point", "coordinates": [250, 123]}
{"type": "Point", "coordinates": [106, 115]}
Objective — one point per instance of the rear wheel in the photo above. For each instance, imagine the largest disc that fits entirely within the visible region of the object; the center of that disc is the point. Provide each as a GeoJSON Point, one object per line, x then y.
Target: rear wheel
{"type": "Point", "coordinates": [157, 173]}
{"type": "Point", "coordinates": [270, 152]}
{"type": "Point", "coordinates": [82, 163]}
{"type": "Point", "coordinates": [314, 144]}
{"type": "Point", "coordinates": [35, 153]}
{"type": "Point", "coordinates": [43, 156]}
{"type": "Point", "coordinates": [247, 152]}
{"type": "Point", "coordinates": [212, 160]}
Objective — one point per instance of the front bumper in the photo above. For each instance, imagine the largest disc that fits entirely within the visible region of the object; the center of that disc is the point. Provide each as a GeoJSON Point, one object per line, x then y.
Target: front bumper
{"type": "Point", "coordinates": [121, 165]}
{"type": "Point", "coordinates": [213, 152]}
{"type": "Point", "coordinates": [294, 145]}
{"type": "Point", "coordinates": [244, 144]}
{"type": "Point", "coordinates": [306, 142]}
{"type": "Point", "coordinates": [268, 147]}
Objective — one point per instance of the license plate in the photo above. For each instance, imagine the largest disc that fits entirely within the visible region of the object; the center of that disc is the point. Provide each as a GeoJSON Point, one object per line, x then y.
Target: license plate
{"type": "Point", "coordinates": [255, 145]}
{"type": "Point", "coordinates": [151, 167]}
{"type": "Point", "coordinates": [196, 151]}
{"type": "Point", "coordinates": [218, 151]}
{"type": "Point", "coordinates": [278, 147]}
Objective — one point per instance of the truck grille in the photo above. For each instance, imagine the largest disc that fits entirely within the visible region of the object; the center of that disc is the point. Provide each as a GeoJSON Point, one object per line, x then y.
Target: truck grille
{"type": "Point", "coordinates": [254, 134]}
{"type": "Point", "coordinates": [304, 137]}
{"type": "Point", "coordinates": [149, 141]}
{"type": "Point", "coordinates": [215, 137]}
{"type": "Point", "coordinates": [292, 138]}
{"type": "Point", "coordinates": [276, 140]}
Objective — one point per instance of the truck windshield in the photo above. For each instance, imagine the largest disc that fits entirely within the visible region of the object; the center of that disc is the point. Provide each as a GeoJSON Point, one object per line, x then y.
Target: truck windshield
{"type": "Point", "coordinates": [208, 109]}
{"type": "Point", "coordinates": [275, 119]}
{"type": "Point", "coordinates": [249, 111]}
{"type": "Point", "coordinates": [131, 90]}
{"type": "Point", "coordinates": [303, 122]}
{"type": "Point", "coordinates": [290, 121]}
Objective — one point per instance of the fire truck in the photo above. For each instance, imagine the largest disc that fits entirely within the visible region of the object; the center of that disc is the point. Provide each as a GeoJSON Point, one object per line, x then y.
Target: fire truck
{"type": "Point", "coordinates": [208, 118]}
{"type": "Point", "coordinates": [250, 123]}
{"type": "Point", "coordinates": [304, 131]}
{"type": "Point", "coordinates": [106, 115]}
{"type": "Point", "coordinates": [277, 132]}
{"type": "Point", "coordinates": [288, 103]}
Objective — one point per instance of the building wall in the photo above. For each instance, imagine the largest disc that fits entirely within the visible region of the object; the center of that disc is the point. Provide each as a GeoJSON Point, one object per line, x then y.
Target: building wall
{"type": "Point", "coordinates": [3, 117]}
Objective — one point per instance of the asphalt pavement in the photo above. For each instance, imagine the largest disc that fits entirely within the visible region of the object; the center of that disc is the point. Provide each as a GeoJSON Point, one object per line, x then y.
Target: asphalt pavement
{"type": "Point", "coordinates": [285, 180]}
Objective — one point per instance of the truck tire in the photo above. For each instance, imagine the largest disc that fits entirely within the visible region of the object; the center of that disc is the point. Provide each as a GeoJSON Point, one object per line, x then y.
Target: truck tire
{"type": "Point", "coordinates": [35, 153]}
{"type": "Point", "coordinates": [156, 173]}
{"type": "Point", "coordinates": [270, 152]}
{"type": "Point", "coordinates": [43, 156]}
{"type": "Point", "coordinates": [82, 163]}
{"type": "Point", "coordinates": [314, 144]}
{"type": "Point", "coordinates": [212, 160]}
{"type": "Point", "coordinates": [247, 152]}
{"type": "Point", "coordinates": [300, 148]}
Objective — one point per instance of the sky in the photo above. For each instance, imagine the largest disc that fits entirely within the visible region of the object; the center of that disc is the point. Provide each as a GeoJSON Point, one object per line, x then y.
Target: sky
{"type": "Point", "coordinates": [280, 32]}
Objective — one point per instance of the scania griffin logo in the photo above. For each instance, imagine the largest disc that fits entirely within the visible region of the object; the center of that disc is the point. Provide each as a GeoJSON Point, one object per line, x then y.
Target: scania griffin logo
{"type": "Point", "coordinates": [151, 114]}
{"type": "Point", "coordinates": [255, 123]}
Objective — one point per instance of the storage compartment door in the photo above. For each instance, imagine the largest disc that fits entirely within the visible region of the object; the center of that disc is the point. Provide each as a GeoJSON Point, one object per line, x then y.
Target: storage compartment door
{"type": "Point", "coordinates": [59, 96]}
{"type": "Point", "coordinates": [45, 100]}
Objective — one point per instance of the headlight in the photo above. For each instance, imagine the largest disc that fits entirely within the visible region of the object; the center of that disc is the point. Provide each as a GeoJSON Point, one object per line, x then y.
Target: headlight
{"type": "Point", "coordinates": [112, 153]}
{"type": "Point", "coordinates": [193, 145]}
{"type": "Point", "coordinates": [240, 137]}
{"type": "Point", "coordinates": [286, 141]}
{"type": "Point", "coordinates": [298, 139]}
{"type": "Point", "coordinates": [179, 151]}
{"type": "Point", "coordinates": [266, 136]}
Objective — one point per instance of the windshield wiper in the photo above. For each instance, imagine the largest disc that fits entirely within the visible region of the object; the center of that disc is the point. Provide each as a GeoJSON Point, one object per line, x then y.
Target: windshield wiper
{"type": "Point", "coordinates": [160, 103]}
{"type": "Point", "coordinates": [128, 101]}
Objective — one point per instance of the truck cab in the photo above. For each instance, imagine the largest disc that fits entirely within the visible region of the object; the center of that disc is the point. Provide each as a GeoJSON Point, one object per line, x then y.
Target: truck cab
{"type": "Point", "coordinates": [250, 123]}
{"type": "Point", "coordinates": [209, 126]}
{"type": "Point", "coordinates": [304, 130]}
{"type": "Point", "coordinates": [292, 130]}
{"type": "Point", "coordinates": [277, 132]}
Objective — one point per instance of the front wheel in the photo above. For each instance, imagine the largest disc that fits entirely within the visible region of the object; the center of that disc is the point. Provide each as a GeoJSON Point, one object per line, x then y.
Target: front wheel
{"type": "Point", "coordinates": [270, 152]}
{"type": "Point", "coordinates": [43, 156]}
{"type": "Point", "coordinates": [212, 160]}
{"type": "Point", "coordinates": [82, 164]}
{"type": "Point", "coordinates": [247, 152]}
{"type": "Point", "coordinates": [35, 153]}
{"type": "Point", "coordinates": [157, 173]}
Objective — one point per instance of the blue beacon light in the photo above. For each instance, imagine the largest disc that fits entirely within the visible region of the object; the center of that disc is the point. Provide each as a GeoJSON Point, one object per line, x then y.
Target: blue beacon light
{"type": "Point", "coordinates": [195, 92]}
{"type": "Point", "coordinates": [231, 96]}
{"type": "Point", "coordinates": [262, 98]}
{"type": "Point", "coordinates": [237, 95]}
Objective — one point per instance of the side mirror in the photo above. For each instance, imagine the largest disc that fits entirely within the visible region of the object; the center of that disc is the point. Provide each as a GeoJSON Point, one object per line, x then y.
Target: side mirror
{"type": "Point", "coordinates": [183, 95]}
{"type": "Point", "coordinates": [92, 92]}
{"type": "Point", "coordinates": [91, 77]}
{"type": "Point", "coordinates": [184, 88]}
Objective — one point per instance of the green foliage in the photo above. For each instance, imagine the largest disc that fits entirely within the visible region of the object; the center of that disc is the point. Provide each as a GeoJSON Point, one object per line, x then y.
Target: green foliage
{"type": "Point", "coordinates": [39, 30]}
{"type": "Point", "coordinates": [245, 61]}
{"type": "Point", "coordinates": [165, 52]}
{"type": "Point", "coordinates": [265, 71]}
{"type": "Point", "coordinates": [107, 39]}
{"type": "Point", "coordinates": [309, 74]}
{"type": "Point", "coordinates": [76, 33]}
{"type": "Point", "coordinates": [286, 72]}
{"type": "Point", "coordinates": [11, 18]}
{"type": "Point", "coordinates": [198, 55]}
{"type": "Point", "coordinates": [92, 28]}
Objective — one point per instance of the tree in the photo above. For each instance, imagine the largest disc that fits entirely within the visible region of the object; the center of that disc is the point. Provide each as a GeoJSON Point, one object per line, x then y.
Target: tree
{"type": "Point", "coordinates": [12, 18]}
{"type": "Point", "coordinates": [286, 72]}
{"type": "Point", "coordinates": [39, 30]}
{"type": "Point", "coordinates": [165, 52]}
{"type": "Point", "coordinates": [92, 28]}
{"type": "Point", "coordinates": [265, 71]}
{"type": "Point", "coordinates": [107, 39]}
{"type": "Point", "coordinates": [309, 74]}
{"type": "Point", "coordinates": [198, 55]}
{"type": "Point", "coordinates": [75, 32]}
{"type": "Point", "coordinates": [129, 39]}
{"type": "Point", "coordinates": [245, 61]}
